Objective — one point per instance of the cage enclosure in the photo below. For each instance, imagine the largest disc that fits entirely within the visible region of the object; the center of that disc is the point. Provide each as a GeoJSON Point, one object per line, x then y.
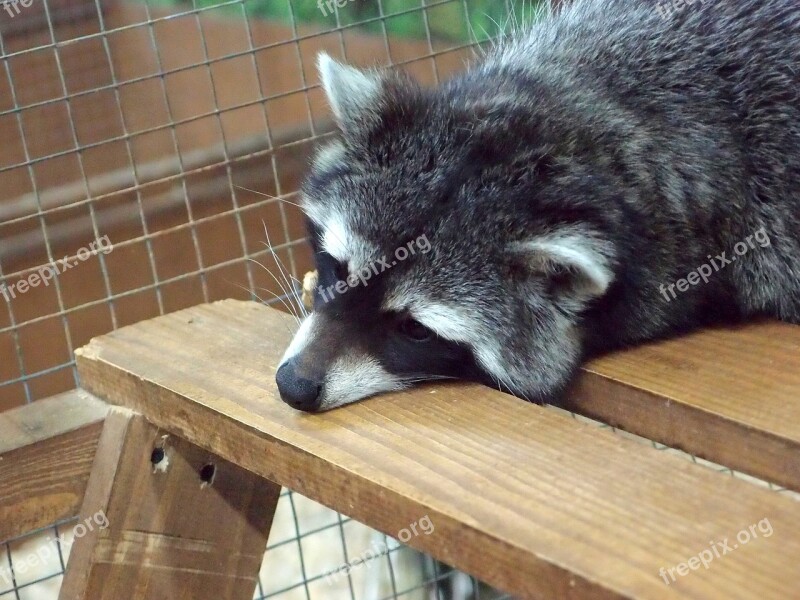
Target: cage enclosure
{"type": "Point", "coordinates": [151, 156]}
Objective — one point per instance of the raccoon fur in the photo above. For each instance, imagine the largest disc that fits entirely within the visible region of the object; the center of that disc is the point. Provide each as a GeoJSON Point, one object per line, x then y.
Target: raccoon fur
{"type": "Point", "coordinates": [612, 175]}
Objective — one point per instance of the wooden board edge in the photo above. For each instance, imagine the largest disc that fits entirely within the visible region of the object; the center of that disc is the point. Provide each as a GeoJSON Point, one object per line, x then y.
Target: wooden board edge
{"type": "Point", "coordinates": [46, 453]}
{"type": "Point", "coordinates": [680, 425]}
{"type": "Point", "coordinates": [48, 418]}
{"type": "Point", "coordinates": [45, 483]}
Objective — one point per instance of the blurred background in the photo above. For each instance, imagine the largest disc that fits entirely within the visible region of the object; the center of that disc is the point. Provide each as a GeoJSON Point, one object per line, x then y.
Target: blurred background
{"type": "Point", "coordinates": [179, 131]}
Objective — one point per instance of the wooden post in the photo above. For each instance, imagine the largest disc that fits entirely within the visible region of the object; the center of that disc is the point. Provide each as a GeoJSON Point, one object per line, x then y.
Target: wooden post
{"type": "Point", "coordinates": [163, 518]}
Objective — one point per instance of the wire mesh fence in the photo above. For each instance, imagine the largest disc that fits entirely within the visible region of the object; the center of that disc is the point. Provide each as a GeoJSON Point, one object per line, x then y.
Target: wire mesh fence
{"type": "Point", "coordinates": [151, 155]}
{"type": "Point", "coordinates": [178, 132]}
{"type": "Point", "coordinates": [151, 149]}
{"type": "Point", "coordinates": [307, 549]}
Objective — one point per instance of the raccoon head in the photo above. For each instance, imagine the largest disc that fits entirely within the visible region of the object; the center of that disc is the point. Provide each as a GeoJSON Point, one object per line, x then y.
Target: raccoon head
{"type": "Point", "coordinates": [433, 258]}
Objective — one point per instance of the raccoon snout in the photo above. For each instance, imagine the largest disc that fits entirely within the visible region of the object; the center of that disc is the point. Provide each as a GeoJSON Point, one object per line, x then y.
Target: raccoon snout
{"type": "Point", "coordinates": [298, 392]}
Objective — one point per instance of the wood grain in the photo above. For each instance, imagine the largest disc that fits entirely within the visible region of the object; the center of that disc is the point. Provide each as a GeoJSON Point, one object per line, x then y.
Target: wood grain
{"type": "Point", "coordinates": [46, 454]}
{"type": "Point", "coordinates": [532, 502]}
{"type": "Point", "coordinates": [731, 396]}
{"type": "Point", "coordinates": [169, 533]}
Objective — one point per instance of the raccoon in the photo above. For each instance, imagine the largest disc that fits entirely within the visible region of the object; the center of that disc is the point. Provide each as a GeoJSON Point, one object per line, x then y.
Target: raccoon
{"type": "Point", "coordinates": [612, 175]}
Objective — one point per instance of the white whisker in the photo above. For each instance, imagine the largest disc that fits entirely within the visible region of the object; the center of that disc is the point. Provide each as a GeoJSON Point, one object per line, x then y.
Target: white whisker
{"type": "Point", "coordinates": [289, 306]}
{"type": "Point", "coordinates": [279, 199]}
{"type": "Point", "coordinates": [283, 300]}
{"type": "Point", "coordinates": [253, 293]}
{"type": "Point", "coordinates": [412, 379]}
{"type": "Point", "coordinates": [297, 299]}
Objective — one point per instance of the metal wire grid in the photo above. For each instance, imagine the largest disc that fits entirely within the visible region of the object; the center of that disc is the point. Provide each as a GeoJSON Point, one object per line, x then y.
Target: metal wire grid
{"type": "Point", "coordinates": [14, 584]}
{"type": "Point", "coordinates": [91, 202]}
{"type": "Point", "coordinates": [431, 582]}
{"type": "Point", "coordinates": [77, 150]}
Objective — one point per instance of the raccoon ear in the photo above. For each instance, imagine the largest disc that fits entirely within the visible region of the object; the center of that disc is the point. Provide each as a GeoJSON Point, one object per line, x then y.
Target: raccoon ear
{"type": "Point", "coordinates": [576, 266]}
{"type": "Point", "coordinates": [351, 93]}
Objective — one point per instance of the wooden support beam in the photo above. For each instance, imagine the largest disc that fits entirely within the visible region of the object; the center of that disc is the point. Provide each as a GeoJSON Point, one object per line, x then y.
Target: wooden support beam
{"type": "Point", "coordinates": [533, 502]}
{"type": "Point", "coordinates": [46, 452]}
{"type": "Point", "coordinates": [730, 395]}
{"type": "Point", "coordinates": [165, 519]}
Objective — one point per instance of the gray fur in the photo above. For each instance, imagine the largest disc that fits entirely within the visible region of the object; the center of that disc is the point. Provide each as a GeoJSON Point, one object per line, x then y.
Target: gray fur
{"type": "Point", "coordinates": [647, 143]}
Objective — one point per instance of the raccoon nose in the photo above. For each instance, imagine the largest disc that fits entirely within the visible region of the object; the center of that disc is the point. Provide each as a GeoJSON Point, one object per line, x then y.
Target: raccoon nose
{"type": "Point", "coordinates": [297, 392]}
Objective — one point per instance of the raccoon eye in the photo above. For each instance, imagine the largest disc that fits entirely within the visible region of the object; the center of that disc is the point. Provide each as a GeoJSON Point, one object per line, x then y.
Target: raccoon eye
{"type": "Point", "coordinates": [413, 329]}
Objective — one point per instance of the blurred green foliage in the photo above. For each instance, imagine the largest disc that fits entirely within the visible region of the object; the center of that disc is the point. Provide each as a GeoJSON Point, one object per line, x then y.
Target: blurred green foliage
{"type": "Point", "coordinates": [456, 20]}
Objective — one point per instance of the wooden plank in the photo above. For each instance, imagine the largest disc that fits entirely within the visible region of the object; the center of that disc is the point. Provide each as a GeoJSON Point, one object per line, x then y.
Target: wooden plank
{"type": "Point", "coordinates": [170, 520]}
{"type": "Point", "coordinates": [730, 395]}
{"type": "Point", "coordinates": [530, 501]}
{"type": "Point", "coordinates": [46, 453]}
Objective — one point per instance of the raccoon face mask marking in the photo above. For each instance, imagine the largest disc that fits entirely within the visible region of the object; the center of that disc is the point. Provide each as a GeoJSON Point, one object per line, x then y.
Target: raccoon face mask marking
{"type": "Point", "coordinates": [338, 241]}
{"type": "Point", "coordinates": [351, 378]}
{"type": "Point", "coordinates": [449, 314]}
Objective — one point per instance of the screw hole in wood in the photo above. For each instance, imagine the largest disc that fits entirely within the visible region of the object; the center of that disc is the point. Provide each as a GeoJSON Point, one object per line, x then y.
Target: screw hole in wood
{"type": "Point", "coordinates": [207, 473]}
